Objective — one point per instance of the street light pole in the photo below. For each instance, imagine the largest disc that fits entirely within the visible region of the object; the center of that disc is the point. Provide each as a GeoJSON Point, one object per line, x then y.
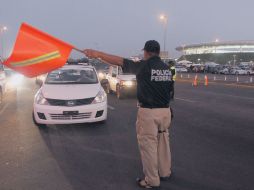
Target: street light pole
{"type": "Point", "coordinates": [234, 59]}
{"type": "Point", "coordinates": [2, 30]}
{"type": "Point", "coordinates": [164, 19]}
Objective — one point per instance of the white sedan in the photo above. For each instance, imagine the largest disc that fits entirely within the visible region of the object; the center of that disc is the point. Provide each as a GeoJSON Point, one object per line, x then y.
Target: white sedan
{"type": "Point", "coordinates": [180, 69]}
{"type": "Point", "coordinates": [238, 71]}
{"type": "Point", "coordinates": [72, 94]}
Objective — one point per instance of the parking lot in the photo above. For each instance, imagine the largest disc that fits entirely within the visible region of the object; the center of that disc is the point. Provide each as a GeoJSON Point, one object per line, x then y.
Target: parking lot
{"type": "Point", "coordinates": [211, 139]}
{"type": "Point", "coordinates": [219, 79]}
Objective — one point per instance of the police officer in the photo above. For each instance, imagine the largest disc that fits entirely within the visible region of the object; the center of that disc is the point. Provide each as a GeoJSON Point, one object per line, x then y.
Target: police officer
{"type": "Point", "coordinates": [154, 116]}
{"type": "Point", "coordinates": [173, 72]}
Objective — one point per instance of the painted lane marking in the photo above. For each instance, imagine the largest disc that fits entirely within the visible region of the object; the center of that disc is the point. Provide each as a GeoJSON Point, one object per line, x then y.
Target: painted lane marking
{"type": "Point", "coordinates": [185, 100]}
{"type": "Point", "coordinates": [111, 107]}
{"type": "Point", "coordinates": [3, 109]}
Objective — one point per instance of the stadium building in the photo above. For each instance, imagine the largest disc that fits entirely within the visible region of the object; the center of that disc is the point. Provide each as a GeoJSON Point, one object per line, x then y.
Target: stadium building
{"type": "Point", "coordinates": [219, 52]}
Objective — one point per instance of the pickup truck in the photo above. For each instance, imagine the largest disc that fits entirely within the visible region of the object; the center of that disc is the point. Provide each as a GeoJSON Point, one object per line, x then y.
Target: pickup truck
{"type": "Point", "coordinates": [2, 83]}
{"type": "Point", "coordinates": [121, 83]}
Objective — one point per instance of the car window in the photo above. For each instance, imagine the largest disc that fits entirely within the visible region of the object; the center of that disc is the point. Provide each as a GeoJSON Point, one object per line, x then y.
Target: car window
{"type": "Point", "coordinates": [114, 71]}
{"type": "Point", "coordinates": [72, 76]}
{"type": "Point", "coordinates": [120, 70]}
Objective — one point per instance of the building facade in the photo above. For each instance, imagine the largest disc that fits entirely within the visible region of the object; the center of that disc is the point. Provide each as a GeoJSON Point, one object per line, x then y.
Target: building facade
{"type": "Point", "coordinates": [221, 52]}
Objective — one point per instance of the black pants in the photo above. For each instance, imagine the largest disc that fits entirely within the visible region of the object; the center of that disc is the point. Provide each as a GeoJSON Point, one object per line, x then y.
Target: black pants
{"type": "Point", "coordinates": [172, 95]}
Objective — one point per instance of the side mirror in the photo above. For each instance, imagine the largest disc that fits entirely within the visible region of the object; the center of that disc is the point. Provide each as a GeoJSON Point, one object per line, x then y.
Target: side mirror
{"type": "Point", "coordinates": [104, 84]}
{"type": "Point", "coordinates": [39, 82]}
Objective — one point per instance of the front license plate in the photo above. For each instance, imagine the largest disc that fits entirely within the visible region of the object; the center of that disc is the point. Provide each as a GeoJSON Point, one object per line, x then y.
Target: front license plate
{"type": "Point", "coordinates": [70, 112]}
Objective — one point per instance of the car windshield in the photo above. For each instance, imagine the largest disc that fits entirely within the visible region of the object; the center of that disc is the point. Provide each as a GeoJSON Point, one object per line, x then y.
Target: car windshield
{"type": "Point", "coordinates": [72, 76]}
{"type": "Point", "coordinates": [122, 73]}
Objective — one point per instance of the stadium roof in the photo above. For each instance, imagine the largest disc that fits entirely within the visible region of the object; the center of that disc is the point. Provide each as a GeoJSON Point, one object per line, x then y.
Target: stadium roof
{"type": "Point", "coordinates": [216, 44]}
{"type": "Point", "coordinates": [218, 48]}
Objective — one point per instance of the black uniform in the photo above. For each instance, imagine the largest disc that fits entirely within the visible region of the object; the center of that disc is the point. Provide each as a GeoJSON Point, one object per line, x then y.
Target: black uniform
{"type": "Point", "coordinates": [154, 80]}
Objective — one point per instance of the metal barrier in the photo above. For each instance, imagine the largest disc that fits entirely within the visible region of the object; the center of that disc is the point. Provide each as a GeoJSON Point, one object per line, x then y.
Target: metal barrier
{"type": "Point", "coordinates": [218, 78]}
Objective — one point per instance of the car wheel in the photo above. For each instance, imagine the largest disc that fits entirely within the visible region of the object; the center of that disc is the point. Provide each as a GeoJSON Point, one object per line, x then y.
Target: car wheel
{"type": "Point", "coordinates": [248, 73]}
{"type": "Point", "coordinates": [237, 73]}
{"type": "Point", "coordinates": [36, 123]}
{"type": "Point", "coordinates": [119, 93]}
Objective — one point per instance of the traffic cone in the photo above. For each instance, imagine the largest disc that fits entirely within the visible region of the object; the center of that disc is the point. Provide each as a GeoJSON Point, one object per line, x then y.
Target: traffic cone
{"type": "Point", "coordinates": [206, 80]}
{"type": "Point", "coordinates": [195, 82]}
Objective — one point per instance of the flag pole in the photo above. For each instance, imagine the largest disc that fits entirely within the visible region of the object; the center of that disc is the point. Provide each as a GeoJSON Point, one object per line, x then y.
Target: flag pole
{"type": "Point", "coordinates": [79, 50]}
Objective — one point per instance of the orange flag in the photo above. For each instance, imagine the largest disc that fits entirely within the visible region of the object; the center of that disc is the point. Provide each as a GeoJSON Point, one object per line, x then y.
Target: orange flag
{"type": "Point", "coordinates": [36, 52]}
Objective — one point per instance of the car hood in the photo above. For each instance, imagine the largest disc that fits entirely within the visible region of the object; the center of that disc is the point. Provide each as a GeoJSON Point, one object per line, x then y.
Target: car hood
{"type": "Point", "coordinates": [126, 77]}
{"type": "Point", "coordinates": [70, 92]}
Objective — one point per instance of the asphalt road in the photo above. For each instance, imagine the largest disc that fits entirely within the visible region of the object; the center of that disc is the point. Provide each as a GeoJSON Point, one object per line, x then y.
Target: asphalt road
{"type": "Point", "coordinates": [212, 140]}
{"type": "Point", "coordinates": [246, 80]}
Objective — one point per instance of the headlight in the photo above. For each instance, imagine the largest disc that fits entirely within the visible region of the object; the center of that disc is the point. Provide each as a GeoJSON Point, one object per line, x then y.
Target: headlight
{"type": "Point", "coordinates": [39, 99]}
{"type": "Point", "coordinates": [127, 83]}
{"type": "Point", "coordinates": [16, 80]}
{"type": "Point", "coordinates": [101, 97]}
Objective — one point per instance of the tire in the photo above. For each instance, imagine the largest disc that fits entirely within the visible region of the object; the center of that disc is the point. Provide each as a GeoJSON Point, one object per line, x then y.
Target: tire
{"type": "Point", "coordinates": [119, 93]}
{"type": "Point", "coordinates": [248, 73]}
{"type": "Point", "coordinates": [237, 73]}
{"type": "Point", "coordinates": [38, 124]}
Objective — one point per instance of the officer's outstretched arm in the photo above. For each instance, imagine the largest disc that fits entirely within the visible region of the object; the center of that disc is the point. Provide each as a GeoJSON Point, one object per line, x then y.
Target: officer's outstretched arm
{"type": "Point", "coordinates": [111, 59]}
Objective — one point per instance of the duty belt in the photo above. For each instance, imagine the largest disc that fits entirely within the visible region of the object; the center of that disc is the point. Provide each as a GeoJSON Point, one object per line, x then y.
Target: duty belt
{"type": "Point", "coordinates": [141, 105]}
{"type": "Point", "coordinates": [162, 131]}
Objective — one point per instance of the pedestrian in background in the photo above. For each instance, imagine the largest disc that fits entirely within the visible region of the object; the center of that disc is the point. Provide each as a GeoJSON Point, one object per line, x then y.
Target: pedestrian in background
{"type": "Point", "coordinates": [173, 72]}
{"type": "Point", "coordinates": [154, 83]}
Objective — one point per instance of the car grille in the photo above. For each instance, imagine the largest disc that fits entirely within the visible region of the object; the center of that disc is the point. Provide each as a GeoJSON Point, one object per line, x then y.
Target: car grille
{"type": "Point", "coordinates": [70, 103]}
{"type": "Point", "coordinates": [71, 117]}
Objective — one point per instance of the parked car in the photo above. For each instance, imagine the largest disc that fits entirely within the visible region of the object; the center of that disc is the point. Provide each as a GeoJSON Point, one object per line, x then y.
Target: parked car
{"type": "Point", "coordinates": [249, 71]}
{"type": "Point", "coordinates": [121, 83]}
{"type": "Point", "coordinates": [181, 69]}
{"type": "Point", "coordinates": [71, 94]}
{"type": "Point", "coordinates": [237, 71]}
{"type": "Point", "coordinates": [224, 71]}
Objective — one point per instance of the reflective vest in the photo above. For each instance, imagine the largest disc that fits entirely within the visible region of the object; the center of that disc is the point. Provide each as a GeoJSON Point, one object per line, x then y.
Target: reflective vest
{"type": "Point", "coordinates": [173, 73]}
